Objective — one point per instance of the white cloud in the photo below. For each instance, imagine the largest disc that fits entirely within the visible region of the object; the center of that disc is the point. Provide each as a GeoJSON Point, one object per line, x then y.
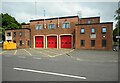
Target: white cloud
{"type": "Point", "coordinates": [61, 0]}
{"type": "Point", "coordinates": [23, 17]}
{"type": "Point", "coordinates": [24, 11]}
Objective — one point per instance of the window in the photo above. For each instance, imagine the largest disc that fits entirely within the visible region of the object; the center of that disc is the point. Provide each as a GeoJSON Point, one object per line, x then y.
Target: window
{"type": "Point", "coordinates": [20, 43]}
{"type": "Point", "coordinates": [66, 25]}
{"type": "Point", "coordinates": [82, 42]}
{"type": "Point", "coordinates": [51, 26]}
{"type": "Point", "coordinates": [8, 34]}
{"type": "Point", "coordinates": [88, 21]}
{"type": "Point", "coordinates": [92, 43]}
{"type": "Point", "coordinates": [93, 30]}
{"type": "Point", "coordinates": [28, 43]}
{"type": "Point", "coordinates": [103, 43]}
{"type": "Point", "coordinates": [104, 30]}
{"type": "Point", "coordinates": [14, 34]}
{"type": "Point", "coordinates": [38, 27]}
{"type": "Point", "coordinates": [20, 33]}
{"type": "Point", "coordinates": [82, 30]}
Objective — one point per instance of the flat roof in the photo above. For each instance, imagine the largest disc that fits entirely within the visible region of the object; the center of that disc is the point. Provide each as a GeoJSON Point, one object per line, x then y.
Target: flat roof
{"type": "Point", "coordinates": [18, 29]}
{"type": "Point", "coordinates": [54, 18]}
{"type": "Point", "coordinates": [90, 17]}
{"type": "Point", "coordinates": [95, 23]}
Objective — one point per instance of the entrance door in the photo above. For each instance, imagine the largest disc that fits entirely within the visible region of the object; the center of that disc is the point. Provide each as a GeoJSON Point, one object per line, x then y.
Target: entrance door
{"type": "Point", "coordinates": [66, 41]}
{"type": "Point", "coordinates": [39, 42]}
{"type": "Point", "coordinates": [51, 41]}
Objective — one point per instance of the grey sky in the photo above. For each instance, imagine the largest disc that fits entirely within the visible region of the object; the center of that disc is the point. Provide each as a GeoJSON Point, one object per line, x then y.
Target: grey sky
{"type": "Point", "coordinates": [24, 11]}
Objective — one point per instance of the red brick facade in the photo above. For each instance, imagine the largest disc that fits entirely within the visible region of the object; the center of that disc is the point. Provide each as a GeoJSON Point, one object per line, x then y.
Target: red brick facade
{"type": "Point", "coordinates": [99, 36]}
{"type": "Point", "coordinates": [69, 27]}
{"type": "Point", "coordinates": [18, 35]}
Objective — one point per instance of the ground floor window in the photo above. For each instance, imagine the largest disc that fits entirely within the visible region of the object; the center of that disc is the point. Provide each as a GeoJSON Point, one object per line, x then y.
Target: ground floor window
{"type": "Point", "coordinates": [28, 43]}
{"type": "Point", "coordinates": [103, 43]}
{"type": "Point", "coordinates": [20, 43]}
{"type": "Point", "coordinates": [92, 43]}
{"type": "Point", "coordinates": [82, 42]}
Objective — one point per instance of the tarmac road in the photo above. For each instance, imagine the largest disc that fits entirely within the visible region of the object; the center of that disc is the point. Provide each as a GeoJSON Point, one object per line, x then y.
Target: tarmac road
{"type": "Point", "coordinates": [59, 65]}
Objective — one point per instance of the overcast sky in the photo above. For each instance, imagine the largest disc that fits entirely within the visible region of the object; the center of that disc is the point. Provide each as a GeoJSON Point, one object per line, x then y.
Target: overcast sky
{"type": "Point", "coordinates": [25, 10]}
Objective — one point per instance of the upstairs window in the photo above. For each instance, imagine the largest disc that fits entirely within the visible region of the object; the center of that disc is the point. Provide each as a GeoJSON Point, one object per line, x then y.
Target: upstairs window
{"type": "Point", "coordinates": [93, 31]}
{"type": "Point", "coordinates": [38, 27]}
{"type": "Point", "coordinates": [82, 30]}
{"type": "Point", "coordinates": [104, 30]}
{"type": "Point", "coordinates": [51, 26]}
{"type": "Point", "coordinates": [88, 21]}
{"type": "Point", "coordinates": [66, 25]}
{"type": "Point", "coordinates": [9, 34]}
{"type": "Point", "coordinates": [20, 33]}
{"type": "Point", "coordinates": [14, 34]}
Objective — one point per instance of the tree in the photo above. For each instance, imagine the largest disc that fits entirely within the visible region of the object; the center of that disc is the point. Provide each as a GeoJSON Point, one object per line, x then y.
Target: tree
{"type": "Point", "coordinates": [116, 31]}
{"type": "Point", "coordinates": [7, 22]}
{"type": "Point", "coordinates": [23, 23]}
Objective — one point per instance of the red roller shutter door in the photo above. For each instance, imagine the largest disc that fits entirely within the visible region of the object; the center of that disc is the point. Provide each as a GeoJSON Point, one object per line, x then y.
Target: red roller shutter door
{"type": "Point", "coordinates": [51, 41]}
{"type": "Point", "coordinates": [66, 41]}
{"type": "Point", "coordinates": [39, 42]}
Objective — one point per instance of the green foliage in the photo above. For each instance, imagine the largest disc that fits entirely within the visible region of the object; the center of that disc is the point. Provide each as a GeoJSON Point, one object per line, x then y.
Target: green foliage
{"type": "Point", "coordinates": [23, 23]}
{"type": "Point", "coordinates": [117, 12]}
{"type": "Point", "coordinates": [8, 22]}
{"type": "Point", "coordinates": [116, 31]}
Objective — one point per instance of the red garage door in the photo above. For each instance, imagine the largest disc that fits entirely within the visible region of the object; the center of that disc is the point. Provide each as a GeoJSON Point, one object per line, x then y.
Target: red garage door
{"type": "Point", "coordinates": [66, 41]}
{"type": "Point", "coordinates": [51, 41]}
{"type": "Point", "coordinates": [39, 42]}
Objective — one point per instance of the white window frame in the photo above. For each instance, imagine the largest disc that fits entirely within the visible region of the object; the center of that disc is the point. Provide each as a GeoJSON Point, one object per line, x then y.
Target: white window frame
{"type": "Point", "coordinates": [38, 27]}
{"type": "Point", "coordinates": [81, 31]}
{"type": "Point", "coordinates": [104, 30]}
{"type": "Point", "coordinates": [92, 30]}
{"type": "Point", "coordinates": [66, 25]}
{"type": "Point", "coordinates": [50, 27]}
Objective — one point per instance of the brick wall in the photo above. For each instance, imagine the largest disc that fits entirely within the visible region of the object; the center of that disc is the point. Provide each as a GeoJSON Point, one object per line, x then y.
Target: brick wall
{"type": "Point", "coordinates": [25, 37]}
{"type": "Point", "coordinates": [98, 39]}
{"type": "Point", "coordinates": [58, 30]}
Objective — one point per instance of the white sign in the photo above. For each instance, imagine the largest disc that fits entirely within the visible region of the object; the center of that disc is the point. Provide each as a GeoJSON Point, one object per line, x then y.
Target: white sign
{"type": "Point", "coordinates": [117, 36]}
{"type": "Point", "coordinates": [93, 36]}
{"type": "Point", "coordinates": [8, 37]}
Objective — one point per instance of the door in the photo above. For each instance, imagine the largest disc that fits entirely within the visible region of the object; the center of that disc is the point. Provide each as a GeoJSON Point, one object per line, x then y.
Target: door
{"type": "Point", "coordinates": [39, 42]}
{"type": "Point", "coordinates": [51, 41]}
{"type": "Point", "coordinates": [66, 41]}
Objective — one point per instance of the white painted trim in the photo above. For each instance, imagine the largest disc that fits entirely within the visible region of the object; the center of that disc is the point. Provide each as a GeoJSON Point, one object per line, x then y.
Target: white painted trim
{"type": "Point", "coordinates": [40, 25]}
{"type": "Point", "coordinates": [52, 35]}
{"type": "Point", "coordinates": [64, 35]}
{"type": "Point", "coordinates": [11, 37]}
{"type": "Point", "coordinates": [66, 22]}
{"type": "Point", "coordinates": [51, 23]}
{"type": "Point", "coordinates": [39, 35]}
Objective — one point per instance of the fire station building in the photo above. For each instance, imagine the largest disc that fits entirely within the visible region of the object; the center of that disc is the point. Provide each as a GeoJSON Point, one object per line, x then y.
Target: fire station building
{"type": "Point", "coordinates": [63, 32]}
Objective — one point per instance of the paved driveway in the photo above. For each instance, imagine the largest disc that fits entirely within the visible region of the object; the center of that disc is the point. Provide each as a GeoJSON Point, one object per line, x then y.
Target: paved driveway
{"type": "Point", "coordinates": [80, 55]}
